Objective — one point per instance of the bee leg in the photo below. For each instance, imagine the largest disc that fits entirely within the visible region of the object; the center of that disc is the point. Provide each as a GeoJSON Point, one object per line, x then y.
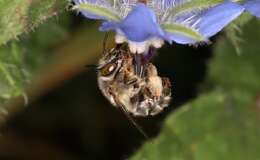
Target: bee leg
{"type": "Point", "coordinates": [166, 86]}
{"type": "Point", "coordinates": [157, 109]}
{"type": "Point", "coordinates": [141, 110]}
{"type": "Point", "coordinates": [166, 98]}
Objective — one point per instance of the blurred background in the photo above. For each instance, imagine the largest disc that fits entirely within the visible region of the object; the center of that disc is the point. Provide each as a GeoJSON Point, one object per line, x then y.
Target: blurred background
{"type": "Point", "coordinates": [51, 107]}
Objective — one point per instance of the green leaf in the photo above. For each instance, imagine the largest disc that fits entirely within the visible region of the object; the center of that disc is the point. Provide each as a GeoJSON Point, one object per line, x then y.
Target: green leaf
{"type": "Point", "coordinates": [98, 10]}
{"type": "Point", "coordinates": [19, 60]}
{"type": "Point", "coordinates": [12, 73]}
{"type": "Point", "coordinates": [229, 70]}
{"type": "Point", "coordinates": [213, 127]}
{"type": "Point", "coordinates": [19, 16]}
{"type": "Point", "coordinates": [183, 30]}
{"type": "Point", "coordinates": [234, 32]}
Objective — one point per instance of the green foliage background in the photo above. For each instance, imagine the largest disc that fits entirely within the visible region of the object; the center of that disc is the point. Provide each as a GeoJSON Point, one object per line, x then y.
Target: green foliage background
{"type": "Point", "coordinates": [36, 47]}
{"type": "Point", "coordinates": [21, 57]}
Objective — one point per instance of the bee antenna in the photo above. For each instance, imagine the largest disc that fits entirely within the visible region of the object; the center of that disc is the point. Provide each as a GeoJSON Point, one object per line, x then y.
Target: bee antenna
{"type": "Point", "coordinates": [91, 66]}
{"type": "Point", "coordinates": [105, 42]}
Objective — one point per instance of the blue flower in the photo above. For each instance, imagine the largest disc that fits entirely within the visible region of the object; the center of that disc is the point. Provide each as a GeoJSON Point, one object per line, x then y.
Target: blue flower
{"type": "Point", "coordinates": [253, 6]}
{"type": "Point", "coordinates": [182, 21]}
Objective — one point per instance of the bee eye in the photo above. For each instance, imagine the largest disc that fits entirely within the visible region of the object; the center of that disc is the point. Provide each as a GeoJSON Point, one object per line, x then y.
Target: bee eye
{"type": "Point", "coordinates": [108, 69]}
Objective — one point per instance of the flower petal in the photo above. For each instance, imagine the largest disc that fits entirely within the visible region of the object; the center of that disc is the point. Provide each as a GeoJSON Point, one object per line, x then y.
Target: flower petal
{"type": "Point", "coordinates": [96, 9]}
{"type": "Point", "coordinates": [181, 7]}
{"type": "Point", "coordinates": [163, 7]}
{"type": "Point", "coordinates": [111, 10]}
{"type": "Point", "coordinates": [216, 18]}
{"type": "Point", "coordinates": [139, 25]}
{"type": "Point", "coordinates": [181, 39]}
{"type": "Point", "coordinates": [253, 6]}
{"type": "Point", "coordinates": [197, 26]}
{"type": "Point", "coordinates": [182, 34]}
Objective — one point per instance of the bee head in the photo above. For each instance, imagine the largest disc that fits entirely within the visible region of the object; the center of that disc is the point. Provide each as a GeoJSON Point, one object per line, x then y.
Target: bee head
{"type": "Point", "coordinates": [110, 64]}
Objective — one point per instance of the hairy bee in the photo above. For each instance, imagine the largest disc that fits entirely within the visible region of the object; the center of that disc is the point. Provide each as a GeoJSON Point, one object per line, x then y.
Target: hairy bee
{"type": "Point", "coordinates": [138, 93]}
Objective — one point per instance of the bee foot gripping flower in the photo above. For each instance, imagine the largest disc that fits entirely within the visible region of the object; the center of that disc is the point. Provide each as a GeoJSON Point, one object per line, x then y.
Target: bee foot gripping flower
{"type": "Point", "coordinates": [143, 25]}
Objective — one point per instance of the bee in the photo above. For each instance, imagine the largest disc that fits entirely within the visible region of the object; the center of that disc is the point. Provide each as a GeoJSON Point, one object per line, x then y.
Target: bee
{"type": "Point", "coordinates": [138, 93]}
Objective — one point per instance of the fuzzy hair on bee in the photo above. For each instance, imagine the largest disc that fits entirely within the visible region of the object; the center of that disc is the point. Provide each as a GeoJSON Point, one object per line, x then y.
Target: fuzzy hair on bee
{"type": "Point", "coordinates": [139, 94]}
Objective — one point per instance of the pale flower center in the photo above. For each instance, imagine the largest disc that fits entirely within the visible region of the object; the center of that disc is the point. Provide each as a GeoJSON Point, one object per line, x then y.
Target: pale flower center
{"type": "Point", "coordinates": [139, 47]}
